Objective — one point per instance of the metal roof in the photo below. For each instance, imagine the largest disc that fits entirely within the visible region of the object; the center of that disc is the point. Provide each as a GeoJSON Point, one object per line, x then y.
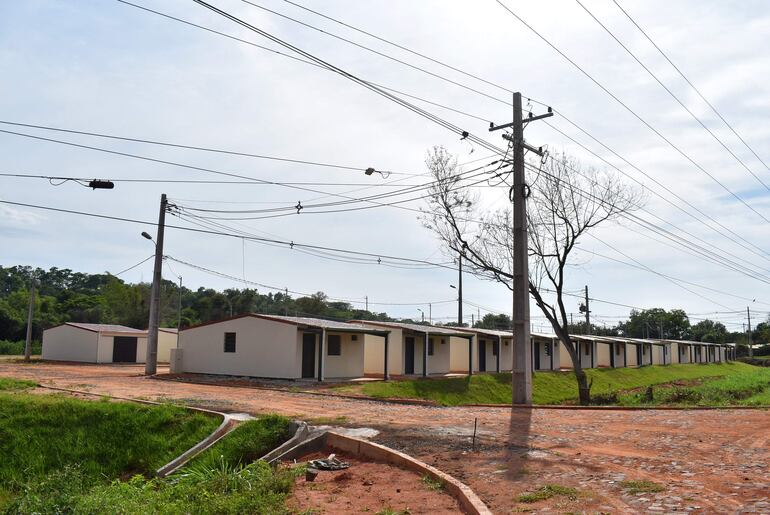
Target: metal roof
{"type": "Point", "coordinates": [104, 328]}
{"type": "Point", "coordinates": [417, 328]}
{"type": "Point", "coordinates": [321, 323]}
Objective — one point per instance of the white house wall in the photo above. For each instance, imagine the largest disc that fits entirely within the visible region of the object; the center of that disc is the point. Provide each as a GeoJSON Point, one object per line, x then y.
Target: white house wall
{"type": "Point", "coordinates": [68, 343]}
{"type": "Point", "coordinates": [458, 361]}
{"type": "Point", "coordinates": [264, 348]}
{"type": "Point", "coordinates": [374, 352]}
{"type": "Point", "coordinates": [166, 342]}
{"type": "Point", "coordinates": [350, 362]}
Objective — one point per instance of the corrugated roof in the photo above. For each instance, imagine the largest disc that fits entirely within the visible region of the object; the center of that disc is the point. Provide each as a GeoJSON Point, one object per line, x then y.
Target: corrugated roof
{"type": "Point", "coordinates": [418, 328]}
{"type": "Point", "coordinates": [318, 322]}
{"type": "Point", "coordinates": [492, 332]}
{"type": "Point", "coordinates": [105, 328]}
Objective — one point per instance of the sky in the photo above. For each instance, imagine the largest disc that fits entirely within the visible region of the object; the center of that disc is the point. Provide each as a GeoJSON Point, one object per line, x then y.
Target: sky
{"type": "Point", "coordinates": [111, 68]}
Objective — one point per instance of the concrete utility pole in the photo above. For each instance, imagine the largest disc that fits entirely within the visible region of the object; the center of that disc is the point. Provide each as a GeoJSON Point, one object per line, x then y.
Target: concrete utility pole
{"type": "Point", "coordinates": [151, 364]}
{"type": "Point", "coordinates": [30, 311]}
{"type": "Point", "coordinates": [588, 313]}
{"type": "Point", "coordinates": [751, 342]}
{"type": "Point", "coordinates": [367, 302]}
{"type": "Point", "coordinates": [460, 290]}
{"type": "Point", "coordinates": [522, 348]}
{"type": "Point", "coordinates": [179, 308]}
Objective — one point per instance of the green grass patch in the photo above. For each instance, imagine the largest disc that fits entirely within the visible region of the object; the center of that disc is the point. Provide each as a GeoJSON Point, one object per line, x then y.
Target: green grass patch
{"type": "Point", "coordinates": [751, 387]}
{"type": "Point", "coordinates": [641, 487]}
{"type": "Point", "coordinates": [246, 443]}
{"type": "Point", "coordinates": [546, 492]}
{"type": "Point", "coordinates": [43, 433]}
{"type": "Point", "coordinates": [7, 383]}
{"type": "Point", "coordinates": [561, 388]}
{"type": "Point", "coordinates": [66, 455]}
{"type": "Point", "coordinates": [432, 484]}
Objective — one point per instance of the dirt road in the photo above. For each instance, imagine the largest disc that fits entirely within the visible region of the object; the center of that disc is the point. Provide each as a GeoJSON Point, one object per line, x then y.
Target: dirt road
{"type": "Point", "coordinates": [708, 461]}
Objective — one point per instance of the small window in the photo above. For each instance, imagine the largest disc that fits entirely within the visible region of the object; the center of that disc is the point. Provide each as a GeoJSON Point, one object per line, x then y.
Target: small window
{"type": "Point", "coordinates": [617, 350]}
{"type": "Point", "coordinates": [443, 341]}
{"type": "Point", "coordinates": [548, 349]}
{"type": "Point", "coordinates": [430, 346]}
{"type": "Point", "coordinates": [229, 342]}
{"type": "Point", "coordinates": [354, 337]}
{"type": "Point", "coordinates": [335, 345]}
{"type": "Point", "coordinates": [495, 348]}
{"type": "Point", "coordinates": [588, 349]}
{"type": "Point", "coordinates": [506, 343]}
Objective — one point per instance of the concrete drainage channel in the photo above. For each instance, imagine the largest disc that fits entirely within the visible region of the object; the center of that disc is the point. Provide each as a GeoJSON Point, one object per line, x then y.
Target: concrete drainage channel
{"type": "Point", "coordinates": [307, 439]}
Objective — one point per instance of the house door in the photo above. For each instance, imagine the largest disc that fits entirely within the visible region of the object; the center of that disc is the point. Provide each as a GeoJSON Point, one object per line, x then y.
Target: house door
{"type": "Point", "coordinates": [482, 355]}
{"type": "Point", "coordinates": [409, 355]}
{"type": "Point", "coordinates": [124, 349]}
{"type": "Point", "coordinates": [536, 351]}
{"type": "Point", "coordinates": [308, 355]}
{"type": "Point", "coordinates": [639, 356]}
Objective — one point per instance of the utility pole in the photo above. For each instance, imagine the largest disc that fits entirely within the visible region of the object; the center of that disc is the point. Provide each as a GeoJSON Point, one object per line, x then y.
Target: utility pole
{"type": "Point", "coordinates": [179, 308]}
{"type": "Point", "coordinates": [151, 363]}
{"type": "Point", "coordinates": [751, 343]}
{"type": "Point", "coordinates": [430, 314]}
{"type": "Point", "coordinates": [522, 348]}
{"type": "Point", "coordinates": [30, 311]}
{"type": "Point", "coordinates": [460, 290]}
{"type": "Point", "coordinates": [586, 309]}
{"type": "Point", "coordinates": [367, 302]}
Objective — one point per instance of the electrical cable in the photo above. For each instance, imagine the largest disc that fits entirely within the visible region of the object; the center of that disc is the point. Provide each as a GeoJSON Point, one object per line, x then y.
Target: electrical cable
{"type": "Point", "coordinates": [632, 112]}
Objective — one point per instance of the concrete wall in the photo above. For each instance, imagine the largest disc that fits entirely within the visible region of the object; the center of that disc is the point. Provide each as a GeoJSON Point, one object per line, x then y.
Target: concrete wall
{"type": "Point", "coordinates": [374, 352]}
{"type": "Point", "coordinates": [264, 348]}
{"type": "Point", "coordinates": [618, 351]}
{"type": "Point", "coordinates": [166, 342]}
{"type": "Point", "coordinates": [68, 343]}
{"type": "Point", "coordinates": [506, 355]}
{"type": "Point", "coordinates": [541, 347]}
{"type": "Point", "coordinates": [458, 359]}
{"type": "Point", "coordinates": [350, 362]}
{"type": "Point", "coordinates": [565, 360]}
{"type": "Point", "coordinates": [657, 355]}
{"type": "Point", "coordinates": [603, 355]}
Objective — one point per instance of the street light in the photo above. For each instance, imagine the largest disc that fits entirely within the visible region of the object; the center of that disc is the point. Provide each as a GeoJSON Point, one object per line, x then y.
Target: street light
{"type": "Point", "coordinates": [147, 236]}
{"type": "Point", "coordinates": [423, 314]}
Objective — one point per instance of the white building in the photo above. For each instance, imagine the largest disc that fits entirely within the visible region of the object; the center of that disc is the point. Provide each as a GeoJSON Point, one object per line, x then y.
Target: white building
{"type": "Point", "coordinates": [102, 343]}
{"type": "Point", "coordinates": [447, 349]}
{"type": "Point", "coordinates": [273, 346]}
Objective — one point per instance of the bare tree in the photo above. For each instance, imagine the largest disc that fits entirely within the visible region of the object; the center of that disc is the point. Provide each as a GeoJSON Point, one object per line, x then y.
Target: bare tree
{"type": "Point", "coordinates": [565, 202]}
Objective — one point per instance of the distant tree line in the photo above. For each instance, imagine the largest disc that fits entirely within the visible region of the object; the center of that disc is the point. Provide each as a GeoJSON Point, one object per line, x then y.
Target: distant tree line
{"type": "Point", "coordinates": [67, 296]}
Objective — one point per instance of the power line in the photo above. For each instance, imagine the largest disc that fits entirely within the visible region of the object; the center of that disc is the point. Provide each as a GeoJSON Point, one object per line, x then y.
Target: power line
{"type": "Point", "coordinates": [290, 244]}
{"type": "Point", "coordinates": [631, 111]}
{"type": "Point", "coordinates": [580, 128]}
{"type": "Point", "coordinates": [697, 91]}
{"type": "Point", "coordinates": [732, 236]}
{"type": "Point", "coordinates": [134, 266]}
{"type": "Point", "coordinates": [672, 95]}
{"type": "Point", "coordinates": [389, 96]}
{"type": "Point", "coordinates": [381, 54]}
{"type": "Point", "coordinates": [198, 148]}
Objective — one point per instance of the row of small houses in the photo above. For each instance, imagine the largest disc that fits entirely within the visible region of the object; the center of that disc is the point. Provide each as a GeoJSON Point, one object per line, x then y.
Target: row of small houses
{"type": "Point", "coordinates": [286, 347]}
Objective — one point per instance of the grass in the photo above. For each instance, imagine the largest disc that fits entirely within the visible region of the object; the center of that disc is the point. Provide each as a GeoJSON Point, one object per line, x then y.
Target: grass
{"type": "Point", "coordinates": [7, 383]}
{"type": "Point", "coordinates": [246, 443]}
{"type": "Point", "coordinates": [546, 492]}
{"type": "Point", "coordinates": [432, 484]}
{"type": "Point", "coordinates": [641, 487]}
{"type": "Point", "coordinates": [66, 455]}
{"type": "Point", "coordinates": [42, 433]}
{"type": "Point", "coordinates": [561, 388]}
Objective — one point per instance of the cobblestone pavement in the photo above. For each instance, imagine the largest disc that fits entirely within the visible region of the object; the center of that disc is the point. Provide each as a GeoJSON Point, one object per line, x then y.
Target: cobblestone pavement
{"type": "Point", "coordinates": [714, 461]}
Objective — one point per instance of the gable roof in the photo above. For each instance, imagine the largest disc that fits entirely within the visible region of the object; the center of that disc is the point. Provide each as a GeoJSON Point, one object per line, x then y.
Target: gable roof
{"type": "Point", "coordinates": [103, 328]}
{"type": "Point", "coordinates": [300, 322]}
{"type": "Point", "coordinates": [417, 328]}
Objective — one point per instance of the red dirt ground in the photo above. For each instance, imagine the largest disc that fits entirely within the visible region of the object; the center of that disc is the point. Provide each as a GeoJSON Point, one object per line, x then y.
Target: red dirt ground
{"type": "Point", "coordinates": [367, 487]}
{"type": "Point", "coordinates": [709, 461]}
